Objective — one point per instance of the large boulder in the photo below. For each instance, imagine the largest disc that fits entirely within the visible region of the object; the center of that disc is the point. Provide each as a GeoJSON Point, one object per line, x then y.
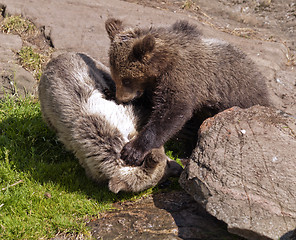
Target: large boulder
{"type": "Point", "coordinates": [243, 171]}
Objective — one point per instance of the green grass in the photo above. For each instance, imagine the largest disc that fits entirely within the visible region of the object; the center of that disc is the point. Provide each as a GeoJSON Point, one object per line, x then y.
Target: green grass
{"type": "Point", "coordinates": [34, 54]}
{"type": "Point", "coordinates": [30, 153]}
{"type": "Point", "coordinates": [43, 189]}
{"type": "Point", "coordinates": [18, 25]}
{"type": "Point", "coordinates": [189, 4]}
{"type": "Point", "coordinates": [32, 60]}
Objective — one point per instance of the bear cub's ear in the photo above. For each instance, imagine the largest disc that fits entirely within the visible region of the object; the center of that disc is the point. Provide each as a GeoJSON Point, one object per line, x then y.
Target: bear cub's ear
{"type": "Point", "coordinates": [143, 46]}
{"type": "Point", "coordinates": [113, 26]}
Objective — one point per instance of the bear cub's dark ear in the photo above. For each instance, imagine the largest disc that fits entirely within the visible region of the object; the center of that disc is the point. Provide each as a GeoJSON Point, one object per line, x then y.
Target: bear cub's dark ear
{"type": "Point", "coordinates": [143, 46]}
{"type": "Point", "coordinates": [113, 26]}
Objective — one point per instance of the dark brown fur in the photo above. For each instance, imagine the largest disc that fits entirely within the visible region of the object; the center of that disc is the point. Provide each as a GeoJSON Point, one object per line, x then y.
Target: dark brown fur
{"type": "Point", "coordinates": [184, 75]}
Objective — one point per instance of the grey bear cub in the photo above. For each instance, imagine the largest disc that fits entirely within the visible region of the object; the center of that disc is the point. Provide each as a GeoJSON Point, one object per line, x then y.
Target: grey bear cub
{"type": "Point", "coordinates": [75, 94]}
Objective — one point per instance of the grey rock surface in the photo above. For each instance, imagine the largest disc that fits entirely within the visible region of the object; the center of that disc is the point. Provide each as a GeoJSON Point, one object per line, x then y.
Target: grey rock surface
{"type": "Point", "coordinates": [13, 78]}
{"type": "Point", "coordinates": [79, 26]}
{"type": "Point", "coordinates": [164, 216]}
{"type": "Point", "coordinates": [243, 171]}
{"type": "Point", "coordinates": [9, 43]}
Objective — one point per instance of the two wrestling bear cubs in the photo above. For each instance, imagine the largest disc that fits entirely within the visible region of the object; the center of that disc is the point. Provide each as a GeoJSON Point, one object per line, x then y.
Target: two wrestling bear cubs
{"type": "Point", "coordinates": [166, 78]}
{"type": "Point", "coordinates": [182, 74]}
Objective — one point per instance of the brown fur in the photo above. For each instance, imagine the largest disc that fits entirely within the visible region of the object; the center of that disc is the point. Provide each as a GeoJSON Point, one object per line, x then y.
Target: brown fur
{"type": "Point", "coordinates": [184, 75]}
{"type": "Point", "coordinates": [72, 93]}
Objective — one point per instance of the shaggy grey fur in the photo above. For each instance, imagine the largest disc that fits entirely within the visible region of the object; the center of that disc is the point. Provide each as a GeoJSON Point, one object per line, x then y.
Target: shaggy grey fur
{"type": "Point", "coordinates": [73, 93]}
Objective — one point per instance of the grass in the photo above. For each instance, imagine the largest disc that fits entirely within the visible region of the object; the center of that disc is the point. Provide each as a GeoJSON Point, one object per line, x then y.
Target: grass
{"type": "Point", "coordinates": [32, 61]}
{"type": "Point", "coordinates": [290, 56]}
{"type": "Point", "coordinates": [189, 4]}
{"type": "Point", "coordinates": [18, 25]}
{"type": "Point", "coordinates": [34, 54]}
{"type": "Point", "coordinates": [43, 189]}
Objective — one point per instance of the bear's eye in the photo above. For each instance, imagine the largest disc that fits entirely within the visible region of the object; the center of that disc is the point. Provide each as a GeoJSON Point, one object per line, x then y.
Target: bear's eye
{"type": "Point", "coordinates": [126, 82]}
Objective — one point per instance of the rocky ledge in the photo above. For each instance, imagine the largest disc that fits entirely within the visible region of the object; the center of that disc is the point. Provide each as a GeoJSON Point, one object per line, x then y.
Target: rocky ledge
{"type": "Point", "coordinates": [243, 171]}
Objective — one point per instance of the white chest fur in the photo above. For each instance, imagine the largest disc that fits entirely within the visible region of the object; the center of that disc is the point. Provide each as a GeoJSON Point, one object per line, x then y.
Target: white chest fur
{"type": "Point", "coordinates": [118, 116]}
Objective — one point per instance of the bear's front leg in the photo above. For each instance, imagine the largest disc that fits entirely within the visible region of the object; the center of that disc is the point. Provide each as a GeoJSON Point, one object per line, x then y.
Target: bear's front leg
{"type": "Point", "coordinates": [134, 152]}
{"type": "Point", "coordinates": [162, 125]}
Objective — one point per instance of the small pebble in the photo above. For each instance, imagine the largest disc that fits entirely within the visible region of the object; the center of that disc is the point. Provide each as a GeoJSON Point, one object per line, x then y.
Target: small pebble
{"type": "Point", "coordinates": [47, 195]}
{"type": "Point", "coordinates": [243, 131]}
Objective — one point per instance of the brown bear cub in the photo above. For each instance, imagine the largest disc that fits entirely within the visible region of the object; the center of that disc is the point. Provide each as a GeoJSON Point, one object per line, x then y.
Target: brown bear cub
{"type": "Point", "coordinates": [184, 76]}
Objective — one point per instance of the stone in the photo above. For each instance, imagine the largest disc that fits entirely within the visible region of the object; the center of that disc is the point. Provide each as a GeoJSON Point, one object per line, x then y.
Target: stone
{"type": "Point", "coordinates": [14, 80]}
{"type": "Point", "coordinates": [243, 169]}
{"type": "Point", "coordinates": [167, 216]}
{"type": "Point", "coordinates": [80, 27]}
{"type": "Point", "coordinates": [9, 44]}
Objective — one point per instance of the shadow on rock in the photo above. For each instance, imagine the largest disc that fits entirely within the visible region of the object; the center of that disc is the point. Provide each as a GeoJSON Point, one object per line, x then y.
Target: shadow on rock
{"type": "Point", "coordinates": [191, 219]}
{"type": "Point", "coordinates": [243, 171]}
{"type": "Point", "coordinates": [172, 215]}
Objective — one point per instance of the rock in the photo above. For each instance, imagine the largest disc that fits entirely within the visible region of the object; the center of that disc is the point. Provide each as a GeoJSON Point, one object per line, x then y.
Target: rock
{"type": "Point", "coordinates": [9, 43]}
{"type": "Point", "coordinates": [17, 81]}
{"type": "Point", "coordinates": [13, 78]}
{"type": "Point", "coordinates": [173, 215]}
{"type": "Point", "coordinates": [80, 27]}
{"type": "Point", "coordinates": [243, 171]}
{"type": "Point", "coordinates": [283, 90]}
